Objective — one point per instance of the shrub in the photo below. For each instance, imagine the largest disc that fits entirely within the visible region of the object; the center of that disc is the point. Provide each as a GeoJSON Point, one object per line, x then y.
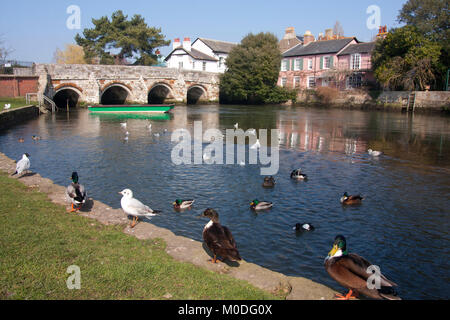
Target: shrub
{"type": "Point", "coordinates": [327, 94]}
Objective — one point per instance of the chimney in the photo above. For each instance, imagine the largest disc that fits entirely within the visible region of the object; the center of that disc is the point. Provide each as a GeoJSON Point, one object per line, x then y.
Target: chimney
{"type": "Point", "coordinates": [290, 33]}
{"type": "Point", "coordinates": [176, 43]}
{"type": "Point", "coordinates": [308, 37]}
{"type": "Point", "coordinates": [187, 44]}
{"type": "Point", "coordinates": [328, 34]}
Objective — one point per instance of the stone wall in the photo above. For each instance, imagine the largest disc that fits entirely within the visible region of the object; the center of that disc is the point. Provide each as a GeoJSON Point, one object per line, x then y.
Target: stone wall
{"type": "Point", "coordinates": [90, 81]}
{"type": "Point", "coordinates": [11, 117]}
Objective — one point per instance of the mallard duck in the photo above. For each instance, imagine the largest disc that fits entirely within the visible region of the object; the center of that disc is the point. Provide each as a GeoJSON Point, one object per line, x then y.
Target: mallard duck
{"type": "Point", "coordinates": [269, 182]}
{"type": "Point", "coordinates": [183, 204]}
{"type": "Point", "coordinates": [134, 207]}
{"type": "Point", "coordinates": [374, 153]}
{"type": "Point", "coordinates": [348, 200]}
{"type": "Point", "coordinates": [36, 138]}
{"type": "Point", "coordinates": [219, 239]}
{"type": "Point", "coordinates": [260, 205]}
{"type": "Point", "coordinates": [76, 193]}
{"type": "Point", "coordinates": [304, 227]}
{"type": "Point", "coordinates": [350, 271]}
{"type": "Point", "coordinates": [21, 140]}
{"type": "Point", "coordinates": [298, 175]}
{"type": "Point", "coordinates": [22, 165]}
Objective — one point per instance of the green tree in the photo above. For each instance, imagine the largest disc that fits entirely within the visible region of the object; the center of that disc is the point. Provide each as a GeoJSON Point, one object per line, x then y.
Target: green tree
{"type": "Point", "coordinates": [406, 60]}
{"type": "Point", "coordinates": [253, 69]}
{"type": "Point", "coordinates": [132, 39]}
{"type": "Point", "coordinates": [431, 17]}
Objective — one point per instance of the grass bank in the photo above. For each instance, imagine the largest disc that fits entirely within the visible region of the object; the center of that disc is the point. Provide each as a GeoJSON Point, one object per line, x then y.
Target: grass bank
{"type": "Point", "coordinates": [15, 102]}
{"type": "Point", "coordinates": [39, 241]}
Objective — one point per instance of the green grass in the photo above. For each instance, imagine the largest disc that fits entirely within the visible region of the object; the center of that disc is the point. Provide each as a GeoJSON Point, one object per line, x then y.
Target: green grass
{"type": "Point", "coordinates": [15, 102]}
{"type": "Point", "coordinates": [39, 241]}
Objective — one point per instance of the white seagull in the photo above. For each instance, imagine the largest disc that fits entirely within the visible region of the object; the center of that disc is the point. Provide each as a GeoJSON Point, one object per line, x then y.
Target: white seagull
{"type": "Point", "coordinates": [257, 145]}
{"type": "Point", "coordinates": [7, 106]}
{"type": "Point", "coordinates": [134, 207]}
{"type": "Point", "coordinates": [22, 165]}
{"type": "Point", "coordinates": [374, 153]}
{"type": "Point", "coordinates": [123, 125]}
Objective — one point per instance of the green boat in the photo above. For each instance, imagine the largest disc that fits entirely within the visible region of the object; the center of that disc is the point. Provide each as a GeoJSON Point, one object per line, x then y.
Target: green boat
{"type": "Point", "coordinates": [132, 108]}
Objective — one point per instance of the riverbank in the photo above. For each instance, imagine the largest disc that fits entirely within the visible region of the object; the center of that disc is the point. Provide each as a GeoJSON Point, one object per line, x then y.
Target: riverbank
{"type": "Point", "coordinates": [17, 115]}
{"type": "Point", "coordinates": [116, 266]}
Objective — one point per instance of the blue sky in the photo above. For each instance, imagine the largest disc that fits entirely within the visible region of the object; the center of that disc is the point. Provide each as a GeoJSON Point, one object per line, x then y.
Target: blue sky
{"type": "Point", "coordinates": [34, 29]}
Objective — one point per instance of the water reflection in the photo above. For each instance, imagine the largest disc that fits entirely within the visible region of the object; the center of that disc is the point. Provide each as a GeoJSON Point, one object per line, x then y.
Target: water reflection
{"type": "Point", "coordinates": [403, 225]}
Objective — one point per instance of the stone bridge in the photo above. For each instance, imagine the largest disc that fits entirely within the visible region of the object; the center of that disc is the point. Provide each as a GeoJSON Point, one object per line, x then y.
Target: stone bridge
{"type": "Point", "coordinates": [106, 84]}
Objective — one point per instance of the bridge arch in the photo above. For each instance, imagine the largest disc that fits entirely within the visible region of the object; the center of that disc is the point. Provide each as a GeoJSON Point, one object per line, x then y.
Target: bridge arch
{"type": "Point", "coordinates": [159, 92]}
{"type": "Point", "coordinates": [196, 93]}
{"type": "Point", "coordinates": [67, 95]}
{"type": "Point", "coordinates": [115, 93]}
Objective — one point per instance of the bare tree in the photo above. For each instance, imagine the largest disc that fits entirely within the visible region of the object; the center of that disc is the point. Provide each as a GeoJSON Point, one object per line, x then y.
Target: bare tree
{"type": "Point", "coordinates": [4, 51]}
{"type": "Point", "coordinates": [338, 30]}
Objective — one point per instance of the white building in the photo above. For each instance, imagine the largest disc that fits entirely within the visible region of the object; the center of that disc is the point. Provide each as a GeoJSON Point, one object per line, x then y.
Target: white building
{"type": "Point", "coordinates": [202, 55]}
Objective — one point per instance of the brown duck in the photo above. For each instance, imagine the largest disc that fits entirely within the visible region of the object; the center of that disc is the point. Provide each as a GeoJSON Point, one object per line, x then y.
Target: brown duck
{"type": "Point", "coordinates": [350, 271]}
{"type": "Point", "coordinates": [219, 239]}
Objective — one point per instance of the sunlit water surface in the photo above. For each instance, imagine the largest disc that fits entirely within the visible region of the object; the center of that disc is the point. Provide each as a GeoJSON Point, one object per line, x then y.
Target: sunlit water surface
{"type": "Point", "coordinates": [402, 226]}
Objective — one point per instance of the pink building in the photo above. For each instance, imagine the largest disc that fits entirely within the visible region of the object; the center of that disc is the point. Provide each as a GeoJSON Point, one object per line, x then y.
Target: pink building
{"type": "Point", "coordinates": [340, 63]}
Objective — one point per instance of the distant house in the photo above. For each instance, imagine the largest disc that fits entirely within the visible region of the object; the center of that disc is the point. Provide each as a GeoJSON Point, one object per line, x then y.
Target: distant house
{"type": "Point", "coordinates": [343, 63]}
{"type": "Point", "coordinates": [290, 40]}
{"type": "Point", "coordinates": [202, 55]}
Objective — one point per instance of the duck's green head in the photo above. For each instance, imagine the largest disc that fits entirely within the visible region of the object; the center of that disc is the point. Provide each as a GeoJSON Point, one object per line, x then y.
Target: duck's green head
{"type": "Point", "coordinates": [339, 247]}
{"type": "Point", "coordinates": [178, 202]}
{"type": "Point", "coordinates": [254, 203]}
{"type": "Point", "coordinates": [74, 177]}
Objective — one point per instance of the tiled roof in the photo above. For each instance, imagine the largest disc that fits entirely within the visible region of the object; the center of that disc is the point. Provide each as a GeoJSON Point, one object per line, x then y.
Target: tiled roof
{"type": "Point", "coordinates": [194, 54]}
{"type": "Point", "coordinates": [218, 46]}
{"type": "Point", "coordinates": [366, 47]}
{"type": "Point", "coordinates": [318, 47]}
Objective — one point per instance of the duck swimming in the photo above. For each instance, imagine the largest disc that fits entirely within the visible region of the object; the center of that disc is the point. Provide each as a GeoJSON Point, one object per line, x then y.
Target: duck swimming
{"type": "Point", "coordinates": [298, 175]}
{"type": "Point", "coordinates": [219, 239]}
{"type": "Point", "coordinates": [183, 204]}
{"type": "Point", "coordinates": [76, 193]}
{"type": "Point", "coordinates": [304, 227]}
{"type": "Point", "coordinates": [21, 140]}
{"type": "Point", "coordinates": [349, 200]}
{"type": "Point", "coordinates": [36, 138]}
{"type": "Point", "coordinates": [350, 271]}
{"type": "Point", "coordinates": [269, 182]}
{"type": "Point", "coordinates": [260, 205]}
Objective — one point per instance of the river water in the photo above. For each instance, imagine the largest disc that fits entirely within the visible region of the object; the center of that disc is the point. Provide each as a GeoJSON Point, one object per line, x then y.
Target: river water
{"type": "Point", "coordinates": [402, 226]}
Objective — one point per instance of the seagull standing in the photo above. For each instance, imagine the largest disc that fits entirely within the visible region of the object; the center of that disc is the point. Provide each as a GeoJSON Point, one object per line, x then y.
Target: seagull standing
{"type": "Point", "coordinates": [123, 125]}
{"type": "Point", "coordinates": [22, 165]}
{"type": "Point", "coordinates": [134, 207]}
{"type": "Point", "coordinates": [7, 106]}
{"type": "Point", "coordinates": [236, 126]}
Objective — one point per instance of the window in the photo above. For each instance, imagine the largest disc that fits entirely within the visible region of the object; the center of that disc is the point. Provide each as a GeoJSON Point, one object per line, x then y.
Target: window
{"type": "Point", "coordinates": [327, 62]}
{"type": "Point", "coordinates": [325, 82]}
{"type": "Point", "coordinates": [180, 65]}
{"type": "Point", "coordinates": [285, 65]}
{"type": "Point", "coordinates": [355, 61]}
{"type": "Point", "coordinates": [204, 66]}
{"type": "Point", "coordinates": [193, 65]}
{"type": "Point", "coordinates": [283, 82]}
{"type": "Point", "coordinates": [220, 62]}
{"type": "Point", "coordinates": [298, 64]}
{"type": "Point", "coordinates": [354, 81]}
{"type": "Point", "coordinates": [310, 64]}
{"type": "Point", "coordinates": [296, 82]}
{"type": "Point", "coordinates": [311, 82]}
